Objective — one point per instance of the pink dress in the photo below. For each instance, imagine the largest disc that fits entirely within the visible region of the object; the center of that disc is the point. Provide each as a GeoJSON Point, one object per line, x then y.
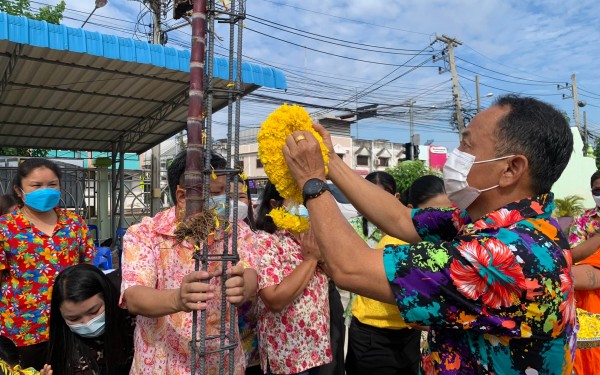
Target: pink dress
{"type": "Point", "coordinates": [153, 258]}
{"type": "Point", "coordinates": [297, 338]}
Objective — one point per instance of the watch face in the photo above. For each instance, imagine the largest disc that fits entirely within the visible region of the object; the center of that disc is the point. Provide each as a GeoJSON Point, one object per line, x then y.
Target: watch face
{"type": "Point", "coordinates": [313, 186]}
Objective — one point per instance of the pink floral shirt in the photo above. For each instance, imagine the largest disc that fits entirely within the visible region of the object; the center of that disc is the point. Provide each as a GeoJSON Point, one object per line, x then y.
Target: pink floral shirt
{"type": "Point", "coordinates": [153, 258]}
{"type": "Point", "coordinates": [584, 226]}
{"type": "Point", "coordinates": [247, 314]}
{"type": "Point", "coordinates": [297, 338]}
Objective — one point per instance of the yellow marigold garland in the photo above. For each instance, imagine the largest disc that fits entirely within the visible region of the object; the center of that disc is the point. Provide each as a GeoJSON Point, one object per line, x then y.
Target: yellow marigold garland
{"type": "Point", "coordinates": [589, 329]}
{"type": "Point", "coordinates": [285, 220]}
{"type": "Point", "coordinates": [271, 138]}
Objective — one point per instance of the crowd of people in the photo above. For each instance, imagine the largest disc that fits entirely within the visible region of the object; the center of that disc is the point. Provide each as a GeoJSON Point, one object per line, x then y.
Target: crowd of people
{"type": "Point", "coordinates": [465, 274]}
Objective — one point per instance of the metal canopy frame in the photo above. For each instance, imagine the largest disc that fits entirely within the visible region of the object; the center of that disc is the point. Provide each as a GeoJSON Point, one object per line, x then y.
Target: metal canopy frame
{"type": "Point", "coordinates": [69, 89]}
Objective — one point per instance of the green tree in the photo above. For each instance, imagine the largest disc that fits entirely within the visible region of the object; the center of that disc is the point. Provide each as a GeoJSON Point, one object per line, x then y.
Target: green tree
{"type": "Point", "coordinates": [48, 13]}
{"type": "Point", "coordinates": [407, 172]}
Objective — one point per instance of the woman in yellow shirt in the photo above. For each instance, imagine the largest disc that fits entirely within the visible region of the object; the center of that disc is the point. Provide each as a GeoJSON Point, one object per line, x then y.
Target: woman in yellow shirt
{"type": "Point", "coordinates": [379, 341]}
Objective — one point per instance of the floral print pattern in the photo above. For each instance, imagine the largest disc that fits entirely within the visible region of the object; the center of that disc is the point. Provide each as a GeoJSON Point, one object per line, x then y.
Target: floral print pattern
{"type": "Point", "coordinates": [250, 254]}
{"type": "Point", "coordinates": [30, 260]}
{"type": "Point", "coordinates": [585, 226]}
{"type": "Point", "coordinates": [152, 257]}
{"type": "Point", "coordinates": [491, 272]}
{"type": "Point", "coordinates": [497, 293]}
{"type": "Point", "coordinates": [588, 224]}
{"type": "Point", "coordinates": [297, 338]}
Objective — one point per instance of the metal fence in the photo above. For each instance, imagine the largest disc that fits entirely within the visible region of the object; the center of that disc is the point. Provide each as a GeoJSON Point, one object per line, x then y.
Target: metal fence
{"type": "Point", "coordinates": [79, 190]}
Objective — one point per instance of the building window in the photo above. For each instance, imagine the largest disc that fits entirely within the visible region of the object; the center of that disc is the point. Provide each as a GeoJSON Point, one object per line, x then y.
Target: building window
{"type": "Point", "coordinates": [259, 163]}
{"type": "Point", "coordinates": [341, 156]}
{"type": "Point", "coordinates": [383, 162]}
{"type": "Point", "coordinates": [362, 160]}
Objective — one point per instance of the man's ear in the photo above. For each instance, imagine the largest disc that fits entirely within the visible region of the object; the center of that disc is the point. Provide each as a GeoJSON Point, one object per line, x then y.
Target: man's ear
{"type": "Point", "coordinates": [515, 169]}
{"type": "Point", "coordinates": [180, 196]}
{"type": "Point", "coordinates": [273, 203]}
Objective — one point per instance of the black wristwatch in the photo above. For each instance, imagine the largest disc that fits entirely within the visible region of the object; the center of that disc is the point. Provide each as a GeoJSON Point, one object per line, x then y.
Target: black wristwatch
{"type": "Point", "coordinates": [313, 188]}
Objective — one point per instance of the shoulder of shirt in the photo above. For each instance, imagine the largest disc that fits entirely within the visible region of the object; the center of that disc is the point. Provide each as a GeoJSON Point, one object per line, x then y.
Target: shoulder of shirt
{"type": "Point", "coordinates": [590, 212]}
{"type": "Point", "coordinates": [71, 215]}
{"type": "Point", "coordinates": [147, 222]}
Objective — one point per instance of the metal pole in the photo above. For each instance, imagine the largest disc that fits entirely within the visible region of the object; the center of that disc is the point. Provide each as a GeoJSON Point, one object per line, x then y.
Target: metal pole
{"type": "Point", "coordinates": [412, 121]}
{"type": "Point", "coordinates": [155, 162]}
{"type": "Point", "coordinates": [477, 93]}
{"type": "Point", "coordinates": [113, 195]}
{"type": "Point", "coordinates": [121, 184]}
{"type": "Point", "coordinates": [88, 17]}
{"type": "Point", "coordinates": [585, 135]}
{"type": "Point", "coordinates": [575, 102]}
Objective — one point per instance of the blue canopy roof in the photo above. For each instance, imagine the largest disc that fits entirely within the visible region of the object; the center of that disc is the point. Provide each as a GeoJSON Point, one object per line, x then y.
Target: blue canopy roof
{"type": "Point", "coordinates": [71, 89]}
{"type": "Point", "coordinates": [20, 29]}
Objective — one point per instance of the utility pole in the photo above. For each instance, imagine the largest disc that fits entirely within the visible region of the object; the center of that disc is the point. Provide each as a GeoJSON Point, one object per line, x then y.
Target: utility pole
{"type": "Point", "coordinates": [477, 93]}
{"type": "Point", "coordinates": [412, 121]}
{"type": "Point", "coordinates": [155, 191]}
{"type": "Point", "coordinates": [585, 135]}
{"type": "Point", "coordinates": [576, 103]}
{"type": "Point", "coordinates": [450, 44]}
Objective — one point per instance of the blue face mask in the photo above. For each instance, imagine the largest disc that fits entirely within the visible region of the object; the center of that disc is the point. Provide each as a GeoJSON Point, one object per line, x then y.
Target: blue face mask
{"type": "Point", "coordinates": [93, 328]}
{"type": "Point", "coordinates": [301, 210]}
{"type": "Point", "coordinates": [42, 200]}
{"type": "Point", "coordinates": [218, 202]}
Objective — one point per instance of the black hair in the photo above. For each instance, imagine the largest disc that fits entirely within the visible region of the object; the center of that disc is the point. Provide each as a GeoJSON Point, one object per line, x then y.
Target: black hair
{"type": "Point", "coordinates": [423, 189]}
{"type": "Point", "coordinates": [264, 222]}
{"type": "Point", "coordinates": [595, 177]}
{"type": "Point", "coordinates": [176, 171]}
{"type": "Point", "coordinates": [7, 201]}
{"type": "Point", "coordinates": [539, 132]}
{"type": "Point", "coordinates": [388, 183]}
{"type": "Point", "coordinates": [8, 351]}
{"type": "Point", "coordinates": [26, 167]}
{"type": "Point", "coordinates": [77, 284]}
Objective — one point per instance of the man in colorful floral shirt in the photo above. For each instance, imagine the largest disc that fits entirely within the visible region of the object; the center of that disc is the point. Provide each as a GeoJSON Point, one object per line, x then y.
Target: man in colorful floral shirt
{"type": "Point", "coordinates": [496, 290]}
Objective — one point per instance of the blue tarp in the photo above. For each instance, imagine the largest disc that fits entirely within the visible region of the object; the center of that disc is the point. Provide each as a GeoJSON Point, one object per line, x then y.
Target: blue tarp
{"type": "Point", "coordinates": [62, 38]}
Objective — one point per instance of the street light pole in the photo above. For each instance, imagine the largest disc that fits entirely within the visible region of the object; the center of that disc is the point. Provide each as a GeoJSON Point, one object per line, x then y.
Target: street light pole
{"type": "Point", "coordinates": [412, 120]}
{"type": "Point", "coordinates": [99, 4]}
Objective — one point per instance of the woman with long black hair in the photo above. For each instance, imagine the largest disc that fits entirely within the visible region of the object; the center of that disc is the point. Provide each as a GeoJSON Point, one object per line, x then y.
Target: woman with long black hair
{"type": "Point", "coordinates": [89, 333]}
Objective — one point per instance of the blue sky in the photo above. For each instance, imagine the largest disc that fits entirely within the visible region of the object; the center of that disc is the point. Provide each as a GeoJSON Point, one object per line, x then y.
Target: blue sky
{"type": "Point", "coordinates": [524, 47]}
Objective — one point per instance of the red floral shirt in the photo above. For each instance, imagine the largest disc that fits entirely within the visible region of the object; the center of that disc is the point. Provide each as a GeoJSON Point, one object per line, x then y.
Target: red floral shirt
{"type": "Point", "coordinates": [29, 262]}
{"type": "Point", "coordinates": [297, 338]}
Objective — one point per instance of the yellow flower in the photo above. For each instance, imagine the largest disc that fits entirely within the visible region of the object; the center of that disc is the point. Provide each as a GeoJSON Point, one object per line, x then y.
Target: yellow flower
{"type": "Point", "coordinates": [589, 325]}
{"type": "Point", "coordinates": [271, 138]}
{"type": "Point", "coordinates": [285, 220]}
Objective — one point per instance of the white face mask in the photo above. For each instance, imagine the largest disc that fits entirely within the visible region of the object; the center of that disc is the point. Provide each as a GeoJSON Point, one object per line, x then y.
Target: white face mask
{"type": "Point", "coordinates": [456, 170]}
{"type": "Point", "coordinates": [597, 200]}
{"type": "Point", "coordinates": [242, 211]}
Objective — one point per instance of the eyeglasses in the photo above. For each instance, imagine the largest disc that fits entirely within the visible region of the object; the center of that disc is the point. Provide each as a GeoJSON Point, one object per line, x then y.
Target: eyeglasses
{"type": "Point", "coordinates": [596, 192]}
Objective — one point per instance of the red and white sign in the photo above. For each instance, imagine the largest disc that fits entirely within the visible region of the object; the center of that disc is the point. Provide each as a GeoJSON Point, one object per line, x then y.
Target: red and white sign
{"type": "Point", "coordinates": [437, 156]}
